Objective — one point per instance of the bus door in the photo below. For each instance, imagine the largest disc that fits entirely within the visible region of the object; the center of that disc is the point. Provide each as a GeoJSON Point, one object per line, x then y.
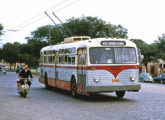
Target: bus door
{"type": "Point", "coordinates": [41, 66]}
{"type": "Point", "coordinates": [56, 72]}
{"type": "Point", "coordinates": [81, 64]}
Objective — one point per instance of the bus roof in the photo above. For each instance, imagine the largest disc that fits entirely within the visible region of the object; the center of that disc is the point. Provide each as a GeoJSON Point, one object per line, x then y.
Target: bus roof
{"type": "Point", "coordinates": [95, 42]}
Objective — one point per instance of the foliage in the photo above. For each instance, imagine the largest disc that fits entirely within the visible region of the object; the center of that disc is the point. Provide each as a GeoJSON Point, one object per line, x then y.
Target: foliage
{"type": "Point", "coordinates": [95, 27]}
{"type": "Point", "coordinates": [1, 54]}
{"type": "Point", "coordinates": [150, 51]}
{"type": "Point", "coordinates": [34, 47]}
{"type": "Point", "coordinates": [22, 53]}
{"type": "Point", "coordinates": [10, 53]}
{"type": "Point", "coordinates": [33, 51]}
{"type": "Point", "coordinates": [161, 45]}
{"type": "Point", "coordinates": [83, 26]}
{"type": "Point", "coordinates": [1, 28]}
{"type": "Point", "coordinates": [154, 51]}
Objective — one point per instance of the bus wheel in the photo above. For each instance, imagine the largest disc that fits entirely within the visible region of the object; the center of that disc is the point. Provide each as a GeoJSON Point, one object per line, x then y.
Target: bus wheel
{"type": "Point", "coordinates": [73, 88]}
{"type": "Point", "coordinates": [120, 94]}
{"type": "Point", "coordinates": [46, 82]}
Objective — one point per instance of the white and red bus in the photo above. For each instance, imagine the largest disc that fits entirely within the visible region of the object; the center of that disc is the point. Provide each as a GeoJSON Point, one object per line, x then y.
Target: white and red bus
{"type": "Point", "coordinates": [83, 65]}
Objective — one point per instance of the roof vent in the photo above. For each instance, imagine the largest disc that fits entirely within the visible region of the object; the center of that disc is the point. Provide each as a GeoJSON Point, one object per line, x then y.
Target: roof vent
{"type": "Point", "coordinates": [76, 38]}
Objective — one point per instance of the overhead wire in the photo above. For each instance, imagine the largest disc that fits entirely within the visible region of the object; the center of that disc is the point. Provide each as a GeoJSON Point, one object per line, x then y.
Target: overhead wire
{"type": "Point", "coordinates": [41, 16]}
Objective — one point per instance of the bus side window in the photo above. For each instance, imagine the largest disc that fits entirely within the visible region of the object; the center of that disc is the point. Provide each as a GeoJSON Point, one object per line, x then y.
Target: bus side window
{"type": "Point", "coordinates": [63, 59]}
{"type": "Point", "coordinates": [49, 59]}
{"type": "Point", "coordinates": [66, 59]}
{"type": "Point", "coordinates": [45, 59]}
{"type": "Point", "coordinates": [73, 60]}
{"type": "Point", "coordinates": [69, 59]}
{"type": "Point", "coordinates": [54, 60]}
{"type": "Point", "coordinates": [60, 59]}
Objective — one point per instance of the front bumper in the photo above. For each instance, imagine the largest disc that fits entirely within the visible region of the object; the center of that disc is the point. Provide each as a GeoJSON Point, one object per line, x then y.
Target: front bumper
{"type": "Point", "coordinates": [134, 87]}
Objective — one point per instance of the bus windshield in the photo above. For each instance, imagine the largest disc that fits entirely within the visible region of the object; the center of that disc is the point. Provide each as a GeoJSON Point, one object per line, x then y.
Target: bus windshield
{"type": "Point", "coordinates": [111, 55]}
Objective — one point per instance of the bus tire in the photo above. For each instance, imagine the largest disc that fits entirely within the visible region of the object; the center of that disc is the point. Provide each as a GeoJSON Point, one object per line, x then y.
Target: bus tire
{"type": "Point", "coordinates": [46, 81]}
{"type": "Point", "coordinates": [73, 87]}
{"type": "Point", "coordinates": [120, 94]}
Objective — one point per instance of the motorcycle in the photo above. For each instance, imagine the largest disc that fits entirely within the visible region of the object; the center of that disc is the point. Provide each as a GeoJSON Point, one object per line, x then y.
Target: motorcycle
{"type": "Point", "coordinates": [24, 88]}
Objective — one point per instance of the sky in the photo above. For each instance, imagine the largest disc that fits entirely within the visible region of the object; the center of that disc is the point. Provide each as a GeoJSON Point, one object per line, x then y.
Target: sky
{"type": "Point", "coordinates": [144, 19]}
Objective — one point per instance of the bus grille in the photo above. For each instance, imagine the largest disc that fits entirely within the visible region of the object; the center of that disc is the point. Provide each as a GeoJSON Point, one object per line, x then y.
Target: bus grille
{"type": "Point", "coordinates": [105, 77]}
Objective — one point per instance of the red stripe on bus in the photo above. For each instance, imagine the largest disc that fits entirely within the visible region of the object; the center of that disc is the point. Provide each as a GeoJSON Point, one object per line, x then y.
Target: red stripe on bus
{"type": "Point", "coordinates": [71, 67]}
{"type": "Point", "coordinates": [115, 70]}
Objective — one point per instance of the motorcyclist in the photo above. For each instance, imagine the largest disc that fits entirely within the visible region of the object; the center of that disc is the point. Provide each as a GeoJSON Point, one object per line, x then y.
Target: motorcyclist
{"type": "Point", "coordinates": [25, 73]}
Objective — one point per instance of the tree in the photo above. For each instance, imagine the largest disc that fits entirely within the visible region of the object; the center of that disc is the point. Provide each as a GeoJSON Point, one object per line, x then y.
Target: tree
{"type": "Point", "coordinates": [42, 33]}
{"type": "Point", "coordinates": [95, 27]}
{"type": "Point", "coordinates": [29, 59]}
{"type": "Point", "coordinates": [83, 26]}
{"type": "Point", "coordinates": [161, 46]}
{"type": "Point", "coordinates": [35, 46]}
{"type": "Point", "coordinates": [150, 52]}
{"type": "Point", "coordinates": [1, 55]}
{"type": "Point", "coordinates": [1, 28]}
{"type": "Point", "coordinates": [22, 53]}
{"type": "Point", "coordinates": [47, 34]}
{"type": "Point", "coordinates": [9, 53]}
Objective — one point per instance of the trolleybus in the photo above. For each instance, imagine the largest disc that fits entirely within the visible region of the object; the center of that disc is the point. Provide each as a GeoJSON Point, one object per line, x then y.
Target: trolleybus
{"type": "Point", "coordinates": [83, 65]}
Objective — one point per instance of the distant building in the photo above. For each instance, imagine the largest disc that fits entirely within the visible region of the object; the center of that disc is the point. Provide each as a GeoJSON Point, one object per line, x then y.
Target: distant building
{"type": "Point", "coordinates": [13, 66]}
{"type": "Point", "coordinates": [154, 68]}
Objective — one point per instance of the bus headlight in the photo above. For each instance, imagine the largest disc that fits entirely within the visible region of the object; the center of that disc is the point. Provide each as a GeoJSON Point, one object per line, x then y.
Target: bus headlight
{"type": "Point", "coordinates": [132, 79]}
{"type": "Point", "coordinates": [96, 80]}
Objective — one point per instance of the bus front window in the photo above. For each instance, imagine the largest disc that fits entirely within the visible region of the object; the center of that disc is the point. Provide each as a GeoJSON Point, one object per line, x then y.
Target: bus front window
{"type": "Point", "coordinates": [112, 55]}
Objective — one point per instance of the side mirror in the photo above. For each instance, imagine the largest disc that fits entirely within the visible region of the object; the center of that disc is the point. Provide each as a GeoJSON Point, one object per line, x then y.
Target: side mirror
{"type": "Point", "coordinates": [141, 57]}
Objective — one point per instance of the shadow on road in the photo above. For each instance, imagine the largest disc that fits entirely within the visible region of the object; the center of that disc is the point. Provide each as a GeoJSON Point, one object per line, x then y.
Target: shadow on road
{"type": "Point", "coordinates": [103, 98]}
{"type": "Point", "coordinates": [92, 98]}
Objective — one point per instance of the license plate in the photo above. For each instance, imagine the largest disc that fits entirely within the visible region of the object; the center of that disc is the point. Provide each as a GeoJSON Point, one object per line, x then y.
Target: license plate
{"type": "Point", "coordinates": [115, 80]}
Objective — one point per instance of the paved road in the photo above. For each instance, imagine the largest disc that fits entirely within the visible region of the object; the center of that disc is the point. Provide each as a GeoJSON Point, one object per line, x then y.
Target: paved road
{"type": "Point", "coordinates": [42, 104]}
